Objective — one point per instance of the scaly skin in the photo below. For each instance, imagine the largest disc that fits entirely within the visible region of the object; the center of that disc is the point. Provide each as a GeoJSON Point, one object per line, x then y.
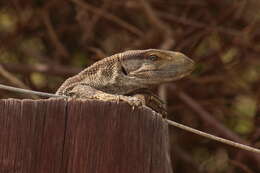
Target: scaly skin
{"type": "Point", "coordinates": [117, 76]}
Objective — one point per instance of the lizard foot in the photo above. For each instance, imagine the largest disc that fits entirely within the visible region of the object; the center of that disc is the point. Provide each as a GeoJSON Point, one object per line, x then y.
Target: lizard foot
{"type": "Point", "coordinates": [152, 101]}
{"type": "Point", "coordinates": [133, 101]}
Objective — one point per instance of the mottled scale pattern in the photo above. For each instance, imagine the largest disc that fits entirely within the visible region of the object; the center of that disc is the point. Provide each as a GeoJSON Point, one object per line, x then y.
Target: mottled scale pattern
{"type": "Point", "coordinates": [102, 75]}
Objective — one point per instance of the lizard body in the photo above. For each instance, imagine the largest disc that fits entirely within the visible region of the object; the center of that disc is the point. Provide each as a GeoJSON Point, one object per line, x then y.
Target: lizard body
{"type": "Point", "coordinates": [127, 73]}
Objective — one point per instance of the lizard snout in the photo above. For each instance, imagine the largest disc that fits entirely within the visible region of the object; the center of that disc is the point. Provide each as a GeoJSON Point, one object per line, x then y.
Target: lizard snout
{"type": "Point", "coordinates": [182, 64]}
{"type": "Point", "coordinates": [189, 64]}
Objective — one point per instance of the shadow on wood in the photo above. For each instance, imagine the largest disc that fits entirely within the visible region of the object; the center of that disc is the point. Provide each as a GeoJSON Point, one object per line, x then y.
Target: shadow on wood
{"type": "Point", "coordinates": [81, 136]}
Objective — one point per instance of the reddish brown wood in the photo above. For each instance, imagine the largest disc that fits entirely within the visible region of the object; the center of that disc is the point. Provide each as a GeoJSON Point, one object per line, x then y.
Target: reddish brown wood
{"type": "Point", "coordinates": [81, 136]}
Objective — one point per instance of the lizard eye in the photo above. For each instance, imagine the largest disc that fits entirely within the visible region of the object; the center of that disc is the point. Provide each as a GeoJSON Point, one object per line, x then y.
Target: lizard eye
{"type": "Point", "coordinates": [153, 57]}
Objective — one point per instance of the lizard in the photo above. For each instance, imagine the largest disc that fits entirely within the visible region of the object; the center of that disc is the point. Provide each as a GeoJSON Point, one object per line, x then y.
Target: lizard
{"type": "Point", "coordinates": [127, 76]}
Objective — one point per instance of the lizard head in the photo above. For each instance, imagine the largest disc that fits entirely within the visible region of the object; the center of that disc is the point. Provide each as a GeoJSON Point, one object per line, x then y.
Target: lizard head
{"type": "Point", "coordinates": [154, 66]}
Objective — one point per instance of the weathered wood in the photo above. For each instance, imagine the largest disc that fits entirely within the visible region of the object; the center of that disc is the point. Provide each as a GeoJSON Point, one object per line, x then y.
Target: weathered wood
{"type": "Point", "coordinates": [81, 136]}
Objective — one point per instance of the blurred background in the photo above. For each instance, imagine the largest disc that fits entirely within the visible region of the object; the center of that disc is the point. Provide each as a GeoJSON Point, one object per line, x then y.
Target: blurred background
{"type": "Point", "coordinates": [42, 42]}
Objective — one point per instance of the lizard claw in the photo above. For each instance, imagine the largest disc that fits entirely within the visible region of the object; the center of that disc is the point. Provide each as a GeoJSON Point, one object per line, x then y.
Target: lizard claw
{"type": "Point", "coordinates": [117, 99]}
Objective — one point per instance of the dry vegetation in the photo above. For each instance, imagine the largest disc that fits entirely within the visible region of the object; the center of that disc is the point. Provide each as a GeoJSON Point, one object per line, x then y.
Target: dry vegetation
{"type": "Point", "coordinates": [43, 42]}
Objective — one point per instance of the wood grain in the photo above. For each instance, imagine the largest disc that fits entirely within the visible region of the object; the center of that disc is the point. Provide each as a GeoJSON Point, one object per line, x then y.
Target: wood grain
{"type": "Point", "coordinates": [60, 136]}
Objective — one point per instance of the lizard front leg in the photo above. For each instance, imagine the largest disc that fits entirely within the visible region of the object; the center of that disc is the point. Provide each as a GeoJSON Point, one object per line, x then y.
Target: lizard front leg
{"type": "Point", "coordinates": [87, 92]}
{"type": "Point", "coordinates": [151, 100]}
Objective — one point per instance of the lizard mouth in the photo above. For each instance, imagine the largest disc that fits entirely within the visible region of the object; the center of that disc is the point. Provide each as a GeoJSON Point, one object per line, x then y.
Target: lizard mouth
{"type": "Point", "coordinates": [171, 73]}
{"type": "Point", "coordinates": [153, 77]}
{"type": "Point", "coordinates": [164, 73]}
{"type": "Point", "coordinates": [182, 69]}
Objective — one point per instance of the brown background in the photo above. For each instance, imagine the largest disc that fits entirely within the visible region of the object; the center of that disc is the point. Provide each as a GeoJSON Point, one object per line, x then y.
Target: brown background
{"type": "Point", "coordinates": [42, 42]}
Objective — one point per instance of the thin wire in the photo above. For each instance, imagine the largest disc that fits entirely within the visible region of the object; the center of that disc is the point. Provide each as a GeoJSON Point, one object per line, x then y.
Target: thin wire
{"type": "Point", "coordinates": [222, 140]}
{"type": "Point", "coordinates": [26, 91]}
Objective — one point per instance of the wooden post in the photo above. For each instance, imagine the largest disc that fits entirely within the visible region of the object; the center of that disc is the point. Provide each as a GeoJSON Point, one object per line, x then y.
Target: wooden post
{"type": "Point", "coordinates": [55, 135]}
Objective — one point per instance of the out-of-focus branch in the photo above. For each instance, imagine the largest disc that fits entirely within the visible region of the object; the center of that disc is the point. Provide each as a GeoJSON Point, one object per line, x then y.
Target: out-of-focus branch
{"type": "Point", "coordinates": [241, 166]}
{"type": "Point", "coordinates": [110, 17]}
{"type": "Point", "coordinates": [58, 70]}
{"type": "Point", "coordinates": [52, 34]}
{"type": "Point", "coordinates": [88, 24]}
{"type": "Point", "coordinates": [196, 24]}
{"type": "Point", "coordinates": [158, 25]}
{"type": "Point", "coordinates": [14, 80]}
{"type": "Point", "coordinates": [211, 122]}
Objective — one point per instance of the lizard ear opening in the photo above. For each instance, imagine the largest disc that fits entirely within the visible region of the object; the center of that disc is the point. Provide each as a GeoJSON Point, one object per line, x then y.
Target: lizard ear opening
{"type": "Point", "coordinates": [124, 70]}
